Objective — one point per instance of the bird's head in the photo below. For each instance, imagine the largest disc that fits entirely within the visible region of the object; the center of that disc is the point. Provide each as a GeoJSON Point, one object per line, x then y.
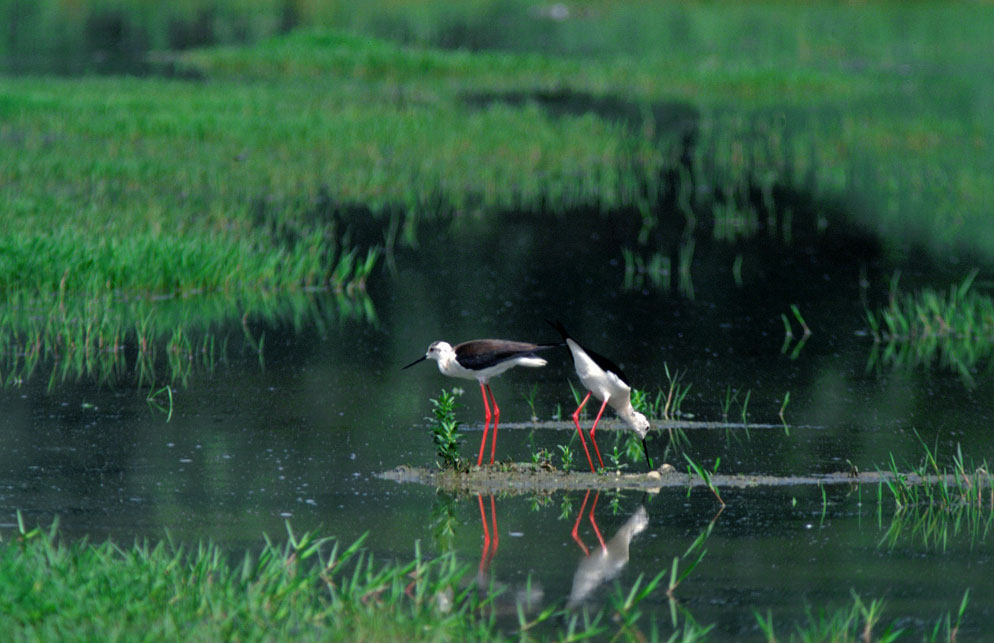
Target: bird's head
{"type": "Point", "coordinates": [438, 351]}
{"type": "Point", "coordinates": [640, 424]}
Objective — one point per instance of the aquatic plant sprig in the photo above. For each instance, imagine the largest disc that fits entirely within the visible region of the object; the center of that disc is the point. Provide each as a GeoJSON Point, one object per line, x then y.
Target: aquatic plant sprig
{"type": "Point", "coordinates": [953, 329]}
{"type": "Point", "coordinates": [705, 475]}
{"type": "Point", "coordinates": [856, 621]}
{"type": "Point", "coordinates": [944, 501]}
{"type": "Point", "coordinates": [445, 429]}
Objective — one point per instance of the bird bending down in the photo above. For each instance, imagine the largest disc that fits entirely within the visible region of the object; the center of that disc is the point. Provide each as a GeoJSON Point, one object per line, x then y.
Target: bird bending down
{"type": "Point", "coordinates": [603, 379]}
{"type": "Point", "coordinates": [480, 360]}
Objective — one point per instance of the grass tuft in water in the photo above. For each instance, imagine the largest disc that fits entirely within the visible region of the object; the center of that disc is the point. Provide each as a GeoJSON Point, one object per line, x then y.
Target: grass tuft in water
{"type": "Point", "coordinates": [943, 501]}
{"type": "Point", "coordinates": [705, 475]}
{"type": "Point", "coordinates": [953, 330]}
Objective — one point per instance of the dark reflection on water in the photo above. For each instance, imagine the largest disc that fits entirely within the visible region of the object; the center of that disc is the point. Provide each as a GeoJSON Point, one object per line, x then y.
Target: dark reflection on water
{"type": "Point", "coordinates": [301, 437]}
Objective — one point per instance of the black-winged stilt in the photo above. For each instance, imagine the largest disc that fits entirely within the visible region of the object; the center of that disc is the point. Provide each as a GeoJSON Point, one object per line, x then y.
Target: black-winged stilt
{"type": "Point", "coordinates": [480, 360]}
{"type": "Point", "coordinates": [604, 379]}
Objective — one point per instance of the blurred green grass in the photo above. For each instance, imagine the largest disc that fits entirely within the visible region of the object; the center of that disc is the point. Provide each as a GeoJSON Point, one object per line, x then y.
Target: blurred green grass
{"type": "Point", "coordinates": [253, 165]}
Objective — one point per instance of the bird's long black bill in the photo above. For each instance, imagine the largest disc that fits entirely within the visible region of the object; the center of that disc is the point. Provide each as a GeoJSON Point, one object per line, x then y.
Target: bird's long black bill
{"type": "Point", "coordinates": [420, 359]}
{"type": "Point", "coordinates": [645, 450]}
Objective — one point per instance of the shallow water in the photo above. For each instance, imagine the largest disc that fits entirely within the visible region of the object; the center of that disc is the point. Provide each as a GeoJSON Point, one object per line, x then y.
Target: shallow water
{"type": "Point", "coordinates": [301, 437]}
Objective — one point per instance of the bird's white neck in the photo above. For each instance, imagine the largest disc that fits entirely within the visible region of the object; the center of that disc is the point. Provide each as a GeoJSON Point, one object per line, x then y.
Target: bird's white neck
{"type": "Point", "coordinates": [447, 364]}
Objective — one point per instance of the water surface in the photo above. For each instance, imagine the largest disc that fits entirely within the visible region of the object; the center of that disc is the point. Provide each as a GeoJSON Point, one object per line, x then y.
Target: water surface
{"type": "Point", "coordinates": [299, 437]}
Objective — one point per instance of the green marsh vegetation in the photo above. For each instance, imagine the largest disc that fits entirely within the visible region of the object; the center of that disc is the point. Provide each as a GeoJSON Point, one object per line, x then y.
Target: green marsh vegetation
{"type": "Point", "coordinates": [726, 125]}
{"type": "Point", "coordinates": [445, 430]}
{"type": "Point", "coordinates": [264, 181]}
{"type": "Point", "coordinates": [952, 329]}
{"type": "Point", "coordinates": [320, 589]}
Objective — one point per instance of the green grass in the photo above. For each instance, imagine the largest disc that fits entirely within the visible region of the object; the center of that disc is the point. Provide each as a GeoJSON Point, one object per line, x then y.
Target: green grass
{"type": "Point", "coordinates": [873, 105]}
{"type": "Point", "coordinates": [953, 329]}
{"type": "Point", "coordinates": [728, 121]}
{"type": "Point", "coordinates": [310, 588]}
{"type": "Point", "coordinates": [306, 588]}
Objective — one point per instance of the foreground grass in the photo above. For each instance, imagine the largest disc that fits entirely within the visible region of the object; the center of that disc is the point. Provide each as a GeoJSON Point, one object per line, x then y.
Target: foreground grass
{"type": "Point", "coordinates": [311, 589]}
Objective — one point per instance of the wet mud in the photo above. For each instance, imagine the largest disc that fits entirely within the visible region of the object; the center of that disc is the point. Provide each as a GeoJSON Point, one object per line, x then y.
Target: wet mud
{"type": "Point", "coordinates": [519, 477]}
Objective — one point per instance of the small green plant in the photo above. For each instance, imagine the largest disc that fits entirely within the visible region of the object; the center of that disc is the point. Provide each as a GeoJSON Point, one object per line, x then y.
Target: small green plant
{"type": "Point", "coordinates": [530, 400]}
{"type": "Point", "coordinates": [153, 401]}
{"type": "Point", "coordinates": [539, 501]}
{"type": "Point", "coordinates": [783, 407]}
{"type": "Point", "coordinates": [726, 403]}
{"type": "Point", "coordinates": [694, 554]}
{"type": "Point", "coordinates": [676, 393]}
{"type": "Point", "coordinates": [945, 629]}
{"type": "Point", "coordinates": [542, 457]}
{"type": "Point", "coordinates": [788, 334]}
{"type": "Point", "coordinates": [566, 454]}
{"type": "Point", "coordinates": [745, 410]}
{"type": "Point", "coordinates": [444, 519]}
{"type": "Point", "coordinates": [615, 456]}
{"type": "Point", "coordinates": [445, 429]}
{"type": "Point", "coordinates": [705, 475]}
{"type": "Point", "coordinates": [625, 607]}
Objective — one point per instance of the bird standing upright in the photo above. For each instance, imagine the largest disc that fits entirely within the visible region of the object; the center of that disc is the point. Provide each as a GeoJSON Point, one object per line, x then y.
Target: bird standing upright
{"type": "Point", "coordinates": [604, 379]}
{"type": "Point", "coordinates": [482, 359]}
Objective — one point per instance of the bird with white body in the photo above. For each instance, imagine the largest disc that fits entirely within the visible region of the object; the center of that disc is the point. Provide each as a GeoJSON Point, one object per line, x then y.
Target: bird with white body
{"type": "Point", "coordinates": [604, 380]}
{"type": "Point", "coordinates": [481, 360]}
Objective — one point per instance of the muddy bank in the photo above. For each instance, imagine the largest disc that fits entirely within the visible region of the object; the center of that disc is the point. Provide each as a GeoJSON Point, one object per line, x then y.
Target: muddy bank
{"type": "Point", "coordinates": [519, 477]}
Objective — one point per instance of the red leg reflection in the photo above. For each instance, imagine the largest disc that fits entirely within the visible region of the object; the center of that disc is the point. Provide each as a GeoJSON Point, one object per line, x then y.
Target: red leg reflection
{"type": "Point", "coordinates": [576, 525]}
{"type": "Point", "coordinates": [593, 522]}
{"type": "Point", "coordinates": [491, 538]}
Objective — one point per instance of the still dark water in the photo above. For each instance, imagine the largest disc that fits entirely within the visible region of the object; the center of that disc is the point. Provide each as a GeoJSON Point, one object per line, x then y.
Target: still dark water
{"type": "Point", "coordinates": [301, 438]}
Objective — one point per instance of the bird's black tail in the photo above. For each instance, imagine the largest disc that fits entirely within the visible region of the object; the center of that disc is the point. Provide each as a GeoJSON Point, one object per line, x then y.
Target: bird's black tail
{"type": "Point", "coordinates": [560, 328]}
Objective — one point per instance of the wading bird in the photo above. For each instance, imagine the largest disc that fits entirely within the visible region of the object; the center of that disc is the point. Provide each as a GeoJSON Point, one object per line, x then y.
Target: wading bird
{"type": "Point", "coordinates": [604, 379]}
{"type": "Point", "coordinates": [480, 360]}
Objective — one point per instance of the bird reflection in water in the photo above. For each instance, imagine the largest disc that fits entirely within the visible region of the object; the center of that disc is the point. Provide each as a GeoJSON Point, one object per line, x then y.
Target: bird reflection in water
{"type": "Point", "coordinates": [606, 560]}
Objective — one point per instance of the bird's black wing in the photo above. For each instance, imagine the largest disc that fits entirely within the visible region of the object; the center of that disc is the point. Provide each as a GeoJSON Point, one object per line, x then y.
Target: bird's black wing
{"type": "Point", "coordinates": [605, 363]}
{"type": "Point", "coordinates": [482, 353]}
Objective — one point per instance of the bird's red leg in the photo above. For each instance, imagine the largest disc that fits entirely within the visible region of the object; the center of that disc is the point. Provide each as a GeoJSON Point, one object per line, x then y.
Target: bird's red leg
{"type": "Point", "coordinates": [593, 521]}
{"type": "Point", "coordinates": [576, 421]}
{"type": "Point", "coordinates": [486, 424]}
{"type": "Point", "coordinates": [594, 428]}
{"type": "Point", "coordinates": [576, 525]}
{"type": "Point", "coordinates": [493, 448]}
